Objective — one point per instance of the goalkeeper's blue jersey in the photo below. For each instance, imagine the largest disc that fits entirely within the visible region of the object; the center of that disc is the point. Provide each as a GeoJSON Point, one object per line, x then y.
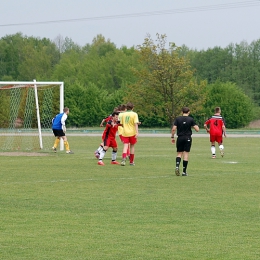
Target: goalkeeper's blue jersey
{"type": "Point", "coordinates": [56, 123]}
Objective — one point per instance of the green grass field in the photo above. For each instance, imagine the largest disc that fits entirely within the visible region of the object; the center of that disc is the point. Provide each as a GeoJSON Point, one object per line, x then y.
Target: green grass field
{"type": "Point", "coordinates": [67, 207]}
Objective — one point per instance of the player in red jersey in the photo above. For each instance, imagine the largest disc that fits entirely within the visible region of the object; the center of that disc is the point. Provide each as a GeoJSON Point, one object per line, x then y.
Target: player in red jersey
{"type": "Point", "coordinates": [215, 126]}
{"type": "Point", "coordinates": [105, 120]}
{"type": "Point", "coordinates": [109, 139]}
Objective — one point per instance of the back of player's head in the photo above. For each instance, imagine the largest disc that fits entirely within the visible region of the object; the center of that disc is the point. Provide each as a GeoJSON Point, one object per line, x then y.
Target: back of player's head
{"type": "Point", "coordinates": [185, 110]}
{"type": "Point", "coordinates": [217, 110]}
{"type": "Point", "coordinates": [122, 107]}
{"type": "Point", "coordinates": [129, 106]}
{"type": "Point", "coordinates": [66, 109]}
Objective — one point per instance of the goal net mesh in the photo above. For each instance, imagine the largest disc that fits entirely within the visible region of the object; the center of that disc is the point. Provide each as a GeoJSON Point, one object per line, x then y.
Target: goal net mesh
{"type": "Point", "coordinates": [19, 129]}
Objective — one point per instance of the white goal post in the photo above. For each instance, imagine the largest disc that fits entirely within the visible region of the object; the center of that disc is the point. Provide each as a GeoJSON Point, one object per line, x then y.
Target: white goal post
{"type": "Point", "coordinates": [27, 109]}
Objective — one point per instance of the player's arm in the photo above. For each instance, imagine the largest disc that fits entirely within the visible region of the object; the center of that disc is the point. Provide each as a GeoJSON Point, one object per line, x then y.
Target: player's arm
{"type": "Point", "coordinates": [196, 128]}
{"type": "Point", "coordinates": [102, 122]}
{"type": "Point", "coordinates": [63, 119]}
{"type": "Point", "coordinates": [173, 133]}
{"type": "Point", "coordinates": [224, 130]}
{"type": "Point", "coordinates": [206, 127]}
{"type": "Point", "coordinates": [136, 130]}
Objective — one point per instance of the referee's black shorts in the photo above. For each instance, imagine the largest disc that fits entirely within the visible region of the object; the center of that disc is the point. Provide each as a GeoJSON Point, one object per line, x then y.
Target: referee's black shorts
{"type": "Point", "coordinates": [183, 143]}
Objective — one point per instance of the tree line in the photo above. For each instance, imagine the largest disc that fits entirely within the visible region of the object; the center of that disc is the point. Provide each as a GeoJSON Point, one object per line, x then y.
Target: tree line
{"type": "Point", "coordinates": [157, 77]}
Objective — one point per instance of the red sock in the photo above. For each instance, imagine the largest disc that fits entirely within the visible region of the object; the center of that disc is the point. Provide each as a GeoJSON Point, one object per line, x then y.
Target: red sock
{"type": "Point", "coordinates": [132, 156]}
{"type": "Point", "coordinates": [124, 156]}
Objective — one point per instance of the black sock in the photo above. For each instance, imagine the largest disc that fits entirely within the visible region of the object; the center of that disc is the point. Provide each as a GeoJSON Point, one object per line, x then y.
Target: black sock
{"type": "Point", "coordinates": [178, 161]}
{"type": "Point", "coordinates": [185, 165]}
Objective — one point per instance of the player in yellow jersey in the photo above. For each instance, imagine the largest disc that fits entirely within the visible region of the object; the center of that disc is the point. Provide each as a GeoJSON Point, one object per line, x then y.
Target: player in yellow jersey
{"type": "Point", "coordinates": [129, 120]}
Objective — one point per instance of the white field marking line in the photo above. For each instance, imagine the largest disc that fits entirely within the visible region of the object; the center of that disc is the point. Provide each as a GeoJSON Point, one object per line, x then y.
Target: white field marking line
{"type": "Point", "coordinates": [91, 179]}
{"type": "Point", "coordinates": [230, 162]}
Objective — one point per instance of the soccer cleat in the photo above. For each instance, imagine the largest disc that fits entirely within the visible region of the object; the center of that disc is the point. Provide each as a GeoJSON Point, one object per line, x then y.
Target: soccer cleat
{"type": "Point", "coordinates": [184, 174]}
{"type": "Point", "coordinates": [177, 171]}
{"type": "Point", "coordinates": [213, 156]}
{"type": "Point", "coordinates": [123, 163]}
{"type": "Point", "coordinates": [54, 149]}
{"type": "Point", "coordinates": [69, 152]}
{"type": "Point", "coordinates": [101, 163]}
{"type": "Point", "coordinates": [97, 155]}
{"type": "Point", "coordinates": [114, 162]}
{"type": "Point", "coordinates": [132, 164]}
{"type": "Point", "coordinates": [222, 153]}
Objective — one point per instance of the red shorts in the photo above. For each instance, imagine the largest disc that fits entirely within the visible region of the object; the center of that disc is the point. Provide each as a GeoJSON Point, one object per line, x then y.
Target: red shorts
{"type": "Point", "coordinates": [121, 138]}
{"type": "Point", "coordinates": [129, 139]}
{"type": "Point", "coordinates": [110, 142]}
{"type": "Point", "coordinates": [216, 138]}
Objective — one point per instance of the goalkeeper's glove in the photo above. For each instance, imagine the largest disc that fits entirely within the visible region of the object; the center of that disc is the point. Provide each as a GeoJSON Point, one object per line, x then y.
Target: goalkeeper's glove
{"type": "Point", "coordinates": [64, 128]}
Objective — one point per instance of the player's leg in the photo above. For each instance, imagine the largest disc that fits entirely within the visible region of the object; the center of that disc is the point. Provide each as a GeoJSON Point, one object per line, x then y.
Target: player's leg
{"type": "Point", "coordinates": [213, 148]}
{"type": "Point", "coordinates": [132, 141]}
{"type": "Point", "coordinates": [102, 155]}
{"type": "Point", "coordinates": [113, 144]}
{"type": "Point", "coordinates": [128, 151]}
{"type": "Point", "coordinates": [221, 148]}
{"type": "Point", "coordinates": [99, 149]}
{"type": "Point", "coordinates": [185, 163]}
{"type": "Point", "coordinates": [187, 147]}
{"type": "Point", "coordinates": [131, 154]}
{"type": "Point", "coordinates": [57, 140]}
{"type": "Point", "coordinates": [126, 142]}
{"type": "Point", "coordinates": [180, 149]}
{"type": "Point", "coordinates": [220, 145]}
{"type": "Point", "coordinates": [56, 143]}
{"type": "Point", "coordinates": [177, 163]}
{"type": "Point", "coordinates": [66, 144]}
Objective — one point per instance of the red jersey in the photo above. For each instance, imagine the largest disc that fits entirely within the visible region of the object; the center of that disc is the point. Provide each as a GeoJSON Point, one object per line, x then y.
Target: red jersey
{"type": "Point", "coordinates": [110, 131]}
{"type": "Point", "coordinates": [216, 124]}
{"type": "Point", "coordinates": [107, 119]}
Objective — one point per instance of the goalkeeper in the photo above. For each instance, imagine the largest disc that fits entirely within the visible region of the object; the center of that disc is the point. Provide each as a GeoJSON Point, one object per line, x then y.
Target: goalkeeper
{"type": "Point", "coordinates": [59, 129]}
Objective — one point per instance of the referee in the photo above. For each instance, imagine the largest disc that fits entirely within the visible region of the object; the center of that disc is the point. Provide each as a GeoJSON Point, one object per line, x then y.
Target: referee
{"type": "Point", "coordinates": [183, 124]}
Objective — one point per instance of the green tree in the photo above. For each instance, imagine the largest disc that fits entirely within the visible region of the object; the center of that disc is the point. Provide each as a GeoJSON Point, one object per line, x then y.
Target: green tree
{"type": "Point", "coordinates": [165, 82]}
{"type": "Point", "coordinates": [106, 66]}
{"type": "Point", "coordinates": [83, 103]}
{"type": "Point", "coordinates": [68, 68]}
{"type": "Point", "coordinates": [10, 54]}
{"type": "Point", "coordinates": [38, 58]}
{"type": "Point", "coordinates": [213, 64]}
{"type": "Point", "coordinates": [237, 108]}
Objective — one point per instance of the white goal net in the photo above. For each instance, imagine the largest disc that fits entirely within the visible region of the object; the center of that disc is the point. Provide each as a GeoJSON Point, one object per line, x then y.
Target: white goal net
{"type": "Point", "coordinates": [26, 112]}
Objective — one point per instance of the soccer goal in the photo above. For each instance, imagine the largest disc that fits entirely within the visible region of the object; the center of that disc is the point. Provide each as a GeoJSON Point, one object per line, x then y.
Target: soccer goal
{"type": "Point", "coordinates": [26, 112]}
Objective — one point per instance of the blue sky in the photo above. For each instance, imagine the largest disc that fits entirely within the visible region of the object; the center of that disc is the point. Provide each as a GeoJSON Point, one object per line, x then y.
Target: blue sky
{"type": "Point", "coordinates": [199, 24]}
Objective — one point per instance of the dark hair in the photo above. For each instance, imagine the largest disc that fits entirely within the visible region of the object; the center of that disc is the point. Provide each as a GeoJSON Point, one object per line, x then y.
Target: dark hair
{"type": "Point", "coordinates": [122, 107]}
{"type": "Point", "coordinates": [115, 113]}
{"type": "Point", "coordinates": [185, 110]}
{"type": "Point", "coordinates": [66, 109]}
{"type": "Point", "coordinates": [217, 110]}
{"type": "Point", "coordinates": [129, 106]}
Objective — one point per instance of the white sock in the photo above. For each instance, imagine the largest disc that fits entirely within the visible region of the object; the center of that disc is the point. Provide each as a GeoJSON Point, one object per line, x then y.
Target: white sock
{"type": "Point", "coordinates": [114, 154]}
{"type": "Point", "coordinates": [213, 150]}
{"type": "Point", "coordinates": [102, 154]}
{"type": "Point", "coordinates": [100, 148]}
